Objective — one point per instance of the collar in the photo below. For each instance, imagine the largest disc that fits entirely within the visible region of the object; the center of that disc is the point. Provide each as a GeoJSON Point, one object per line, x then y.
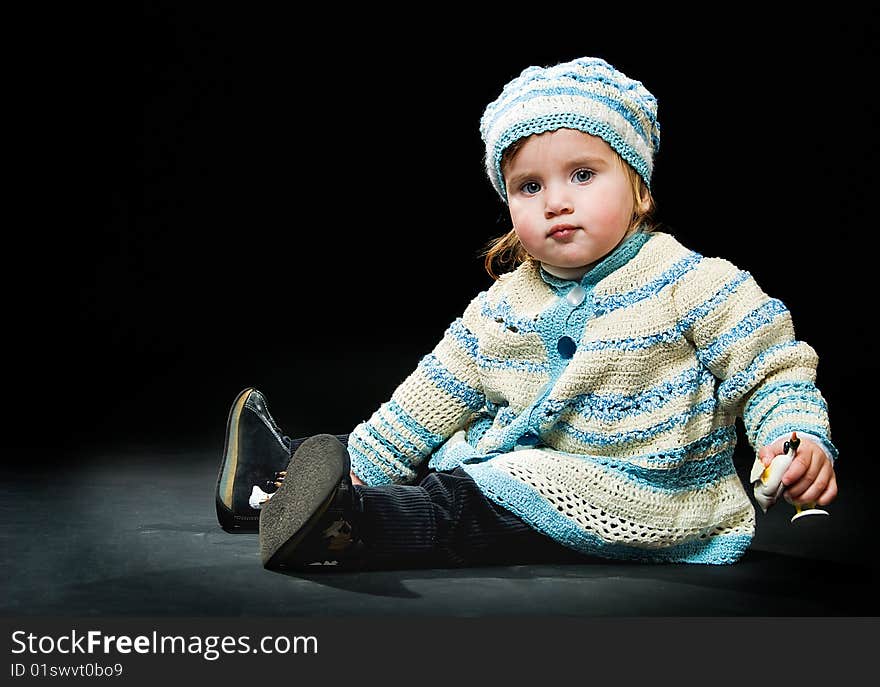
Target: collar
{"type": "Point", "coordinates": [625, 251]}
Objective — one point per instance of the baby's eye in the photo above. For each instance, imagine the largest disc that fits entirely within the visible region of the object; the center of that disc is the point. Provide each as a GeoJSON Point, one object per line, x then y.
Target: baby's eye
{"type": "Point", "coordinates": [583, 175]}
{"type": "Point", "coordinates": [531, 187]}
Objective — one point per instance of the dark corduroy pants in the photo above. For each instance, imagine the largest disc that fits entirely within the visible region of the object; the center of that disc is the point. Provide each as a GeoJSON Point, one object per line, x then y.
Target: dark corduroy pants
{"type": "Point", "coordinates": [444, 520]}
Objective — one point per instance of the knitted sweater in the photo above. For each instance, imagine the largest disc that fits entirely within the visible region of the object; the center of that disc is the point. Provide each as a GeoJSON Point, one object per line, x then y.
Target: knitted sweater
{"type": "Point", "coordinates": [603, 411]}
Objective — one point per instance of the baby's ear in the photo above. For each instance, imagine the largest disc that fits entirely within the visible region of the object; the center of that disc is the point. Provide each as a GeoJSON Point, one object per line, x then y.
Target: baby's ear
{"type": "Point", "coordinates": [645, 200]}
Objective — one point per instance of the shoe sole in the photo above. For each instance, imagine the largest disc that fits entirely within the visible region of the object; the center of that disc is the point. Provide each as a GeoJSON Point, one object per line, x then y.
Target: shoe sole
{"type": "Point", "coordinates": [229, 521]}
{"type": "Point", "coordinates": [313, 476]}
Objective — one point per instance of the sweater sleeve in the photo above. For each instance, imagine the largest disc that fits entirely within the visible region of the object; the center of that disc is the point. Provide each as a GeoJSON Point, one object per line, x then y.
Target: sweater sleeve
{"type": "Point", "coordinates": [747, 340]}
{"type": "Point", "coordinates": [428, 407]}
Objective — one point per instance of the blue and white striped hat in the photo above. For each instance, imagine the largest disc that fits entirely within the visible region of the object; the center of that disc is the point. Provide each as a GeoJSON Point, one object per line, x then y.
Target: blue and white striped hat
{"type": "Point", "coordinates": [586, 94]}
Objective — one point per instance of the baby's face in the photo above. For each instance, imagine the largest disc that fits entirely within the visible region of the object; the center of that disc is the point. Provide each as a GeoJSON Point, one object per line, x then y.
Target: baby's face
{"type": "Point", "coordinates": [570, 200]}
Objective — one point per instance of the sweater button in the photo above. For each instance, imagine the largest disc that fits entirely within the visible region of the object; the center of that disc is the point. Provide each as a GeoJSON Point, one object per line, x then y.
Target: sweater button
{"type": "Point", "coordinates": [576, 296]}
{"type": "Point", "coordinates": [566, 347]}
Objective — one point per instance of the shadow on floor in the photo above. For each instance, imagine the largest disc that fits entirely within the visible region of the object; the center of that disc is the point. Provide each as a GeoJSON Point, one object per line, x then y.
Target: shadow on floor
{"type": "Point", "coordinates": [134, 533]}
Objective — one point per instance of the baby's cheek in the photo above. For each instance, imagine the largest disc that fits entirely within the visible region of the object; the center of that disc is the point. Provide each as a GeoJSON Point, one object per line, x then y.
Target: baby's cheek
{"type": "Point", "coordinates": [528, 237]}
{"type": "Point", "coordinates": [614, 213]}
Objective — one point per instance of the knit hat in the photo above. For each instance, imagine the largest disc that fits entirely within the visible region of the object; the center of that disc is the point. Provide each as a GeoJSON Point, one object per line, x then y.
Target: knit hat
{"type": "Point", "coordinates": [586, 94]}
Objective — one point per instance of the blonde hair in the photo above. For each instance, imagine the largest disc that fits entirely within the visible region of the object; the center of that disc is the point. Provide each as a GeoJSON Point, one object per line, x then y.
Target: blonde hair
{"type": "Point", "coordinates": [507, 250]}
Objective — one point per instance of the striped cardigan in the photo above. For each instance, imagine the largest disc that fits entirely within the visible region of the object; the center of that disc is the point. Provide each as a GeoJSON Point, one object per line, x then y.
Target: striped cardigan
{"type": "Point", "coordinates": [603, 411]}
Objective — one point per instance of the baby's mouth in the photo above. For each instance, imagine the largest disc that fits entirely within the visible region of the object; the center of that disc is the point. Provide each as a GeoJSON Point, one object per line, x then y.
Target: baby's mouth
{"type": "Point", "coordinates": [561, 230]}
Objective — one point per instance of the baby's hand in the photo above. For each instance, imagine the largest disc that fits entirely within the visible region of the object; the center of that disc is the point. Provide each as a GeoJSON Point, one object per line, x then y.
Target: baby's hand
{"type": "Point", "coordinates": [810, 477]}
{"type": "Point", "coordinates": [354, 478]}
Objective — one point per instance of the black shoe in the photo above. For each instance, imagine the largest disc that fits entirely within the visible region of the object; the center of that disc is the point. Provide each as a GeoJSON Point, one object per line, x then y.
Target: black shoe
{"type": "Point", "coordinates": [254, 452]}
{"type": "Point", "coordinates": [311, 520]}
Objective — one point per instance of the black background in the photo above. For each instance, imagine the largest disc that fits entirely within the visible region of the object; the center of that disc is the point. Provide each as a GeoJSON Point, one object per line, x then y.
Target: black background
{"type": "Point", "coordinates": [228, 196]}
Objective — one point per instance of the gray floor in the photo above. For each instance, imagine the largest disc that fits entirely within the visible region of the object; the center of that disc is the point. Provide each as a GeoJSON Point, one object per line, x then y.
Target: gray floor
{"type": "Point", "coordinates": [132, 532]}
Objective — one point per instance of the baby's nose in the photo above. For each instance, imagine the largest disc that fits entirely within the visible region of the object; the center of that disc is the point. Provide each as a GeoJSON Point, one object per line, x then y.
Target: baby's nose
{"type": "Point", "coordinates": [557, 200]}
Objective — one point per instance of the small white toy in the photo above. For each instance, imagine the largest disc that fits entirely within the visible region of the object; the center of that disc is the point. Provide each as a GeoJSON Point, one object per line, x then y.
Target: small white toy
{"type": "Point", "coordinates": [767, 480]}
{"type": "Point", "coordinates": [259, 497]}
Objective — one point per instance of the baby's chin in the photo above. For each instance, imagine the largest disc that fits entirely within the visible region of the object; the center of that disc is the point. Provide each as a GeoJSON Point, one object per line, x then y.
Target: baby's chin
{"type": "Point", "coordinates": [573, 262]}
{"type": "Point", "coordinates": [571, 270]}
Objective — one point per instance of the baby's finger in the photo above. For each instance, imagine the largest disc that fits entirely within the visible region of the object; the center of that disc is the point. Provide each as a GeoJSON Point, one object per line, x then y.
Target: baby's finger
{"type": "Point", "coordinates": [809, 490]}
{"type": "Point", "coordinates": [798, 468]}
{"type": "Point", "coordinates": [770, 451]}
{"type": "Point", "coordinates": [830, 492]}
